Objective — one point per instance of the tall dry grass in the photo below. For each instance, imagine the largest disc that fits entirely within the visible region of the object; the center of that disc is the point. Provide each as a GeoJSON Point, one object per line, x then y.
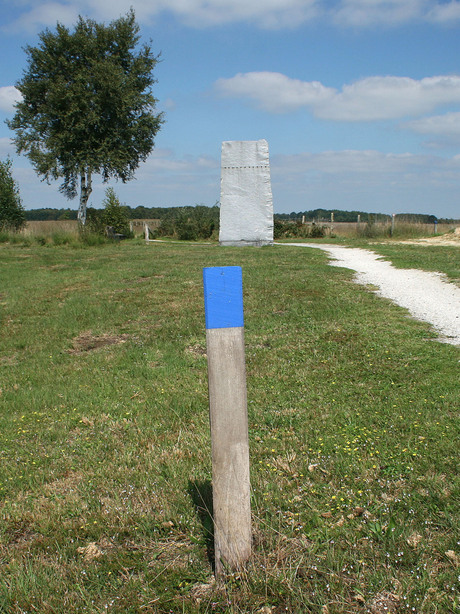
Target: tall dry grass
{"type": "Point", "coordinates": [49, 228]}
{"type": "Point", "coordinates": [380, 229]}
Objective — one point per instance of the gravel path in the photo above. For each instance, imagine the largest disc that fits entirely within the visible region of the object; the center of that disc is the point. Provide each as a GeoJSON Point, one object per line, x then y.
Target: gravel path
{"type": "Point", "coordinates": [427, 296]}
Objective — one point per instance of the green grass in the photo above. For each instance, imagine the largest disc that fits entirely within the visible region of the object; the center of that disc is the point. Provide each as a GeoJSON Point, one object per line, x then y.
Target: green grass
{"type": "Point", "coordinates": [104, 437]}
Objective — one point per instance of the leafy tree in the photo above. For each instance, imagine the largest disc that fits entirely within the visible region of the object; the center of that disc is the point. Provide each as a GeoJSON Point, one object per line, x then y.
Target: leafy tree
{"type": "Point", "coordinates": [12, 215]}
{"type": "Point", "coordinates": [87, 105]}
{"type": "Point", "coordinates": [115, 214]}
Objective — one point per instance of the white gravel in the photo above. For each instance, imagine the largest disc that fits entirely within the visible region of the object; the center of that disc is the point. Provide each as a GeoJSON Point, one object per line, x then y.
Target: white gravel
{"type": "Point", "coordinates": [427, 296]}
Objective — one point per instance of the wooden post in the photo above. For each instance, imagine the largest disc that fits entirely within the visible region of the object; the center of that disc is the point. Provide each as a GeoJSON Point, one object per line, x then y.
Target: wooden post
{"type": "Point", "coordinates": [146, 231]}
{"type": "Point", "coordinates": [393, 223]}
{"type": "Point", "coordinates": [223, 294]}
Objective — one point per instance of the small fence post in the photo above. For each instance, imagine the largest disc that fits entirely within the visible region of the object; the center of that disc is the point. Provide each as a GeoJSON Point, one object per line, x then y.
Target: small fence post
{"type": "Point", "coordinates": [223, 297]}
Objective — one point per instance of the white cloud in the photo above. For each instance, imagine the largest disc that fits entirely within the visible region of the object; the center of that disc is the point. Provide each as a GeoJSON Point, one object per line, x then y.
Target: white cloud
{"type": "Point", "coordinates": [268, 14]}
{"type": "Point", "coordinates": [44, 15]}
{"type": "Point", "coordinates": [164, 160]}
{"type": "Point", "coordinates": [274, 92]}
{"type": "Point", "coordinates": [369, 99]}
{"type": "Point", "coordinates": [444, 13]}
{"type": "Point", "coordinates": [271, 14]}
{"type": "Point", "coordinates": [8, 96]}
{"type": "Point", "coordinates": [353, 163]}
{"type": "Point", "coordinates": [363, 13]}
{"type": "Point", "coordinates": [444, 130]}
{"type": "Point", "coordinates": [440, 125]}
{"type": "Point", "coordinates": [376, 98]}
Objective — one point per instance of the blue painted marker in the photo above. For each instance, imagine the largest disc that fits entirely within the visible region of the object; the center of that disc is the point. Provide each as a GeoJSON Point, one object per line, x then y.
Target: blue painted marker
{"type": "Point", "coordinates": [223, 296]}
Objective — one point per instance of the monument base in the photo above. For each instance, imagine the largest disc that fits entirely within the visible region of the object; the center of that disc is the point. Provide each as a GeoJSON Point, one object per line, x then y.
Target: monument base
{"type": "Point", "coordinates": [245, 243]}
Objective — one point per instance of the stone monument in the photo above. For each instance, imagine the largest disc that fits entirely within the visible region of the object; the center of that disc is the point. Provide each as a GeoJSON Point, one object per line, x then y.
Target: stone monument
{"type": "Point", "coordinates": [246, 202]}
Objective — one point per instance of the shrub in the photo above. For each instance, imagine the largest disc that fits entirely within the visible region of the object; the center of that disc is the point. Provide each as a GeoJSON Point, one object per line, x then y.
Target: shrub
{"type": "Point", "coordinates": [278, 229]}
{"type": "Point", "coordinates": [289, 230]}
{"type": "Point", "coordinates": [316, 231]}
{"type": "Point", "coordinates": [12, 215]}
{"type": "Point", "coordinates": [186, 227]}
{"type": "Point", "coordinates": [95, 222]}
{"type": "Point", "coordinates": [116, 215]}
{"type": "Point", "coordinates": [190, 223]}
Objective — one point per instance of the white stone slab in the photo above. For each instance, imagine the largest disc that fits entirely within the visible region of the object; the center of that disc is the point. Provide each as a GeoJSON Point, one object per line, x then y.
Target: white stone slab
{"type": "Point", "coordinates": [246, 202]}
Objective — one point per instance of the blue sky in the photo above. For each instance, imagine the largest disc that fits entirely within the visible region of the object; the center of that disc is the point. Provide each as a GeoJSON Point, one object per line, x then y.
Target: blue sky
{"type": "Point", "coordinates": [359, 100]}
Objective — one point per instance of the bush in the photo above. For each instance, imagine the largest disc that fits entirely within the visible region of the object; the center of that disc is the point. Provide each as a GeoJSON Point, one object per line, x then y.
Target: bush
{"type": "Point", "coordinates": [190, 223]}
{"type": "Point", "coordinates": [186, 228]}
{"type": "Point", "coordinates": [12, 215]}
{"type": "Point", "coordinates": [289, 230]}
{"type": "Point", "coordinates": [95, 222]}
{"type": "Point", "coordinates": [114, 216]}
{"type": "Point", "coordinates": [316, 231]}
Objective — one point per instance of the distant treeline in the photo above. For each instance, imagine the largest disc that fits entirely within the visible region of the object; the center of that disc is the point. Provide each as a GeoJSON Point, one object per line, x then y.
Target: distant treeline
{"type": "Point", "coordinates": [134, 213]}
{"type": "Point", "coordinates": [314, 215]}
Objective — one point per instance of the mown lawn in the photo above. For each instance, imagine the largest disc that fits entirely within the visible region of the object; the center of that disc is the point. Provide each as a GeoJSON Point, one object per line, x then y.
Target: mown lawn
{"type": "Point", "coordinates": [105, 452]}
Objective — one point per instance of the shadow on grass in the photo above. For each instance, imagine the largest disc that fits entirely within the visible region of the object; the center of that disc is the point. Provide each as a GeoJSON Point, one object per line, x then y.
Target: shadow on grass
{"type": "Point", "coordinates": [201, 495]}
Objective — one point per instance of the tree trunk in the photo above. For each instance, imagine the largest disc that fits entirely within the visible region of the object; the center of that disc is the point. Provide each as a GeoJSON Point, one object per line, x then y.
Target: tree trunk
{"type": "Point", "coordinates": [85, 191]}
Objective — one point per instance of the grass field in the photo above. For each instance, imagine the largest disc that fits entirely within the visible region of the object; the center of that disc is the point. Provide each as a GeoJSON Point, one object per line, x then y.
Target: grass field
{"type": "Point", "coordinates": [104, 436]}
